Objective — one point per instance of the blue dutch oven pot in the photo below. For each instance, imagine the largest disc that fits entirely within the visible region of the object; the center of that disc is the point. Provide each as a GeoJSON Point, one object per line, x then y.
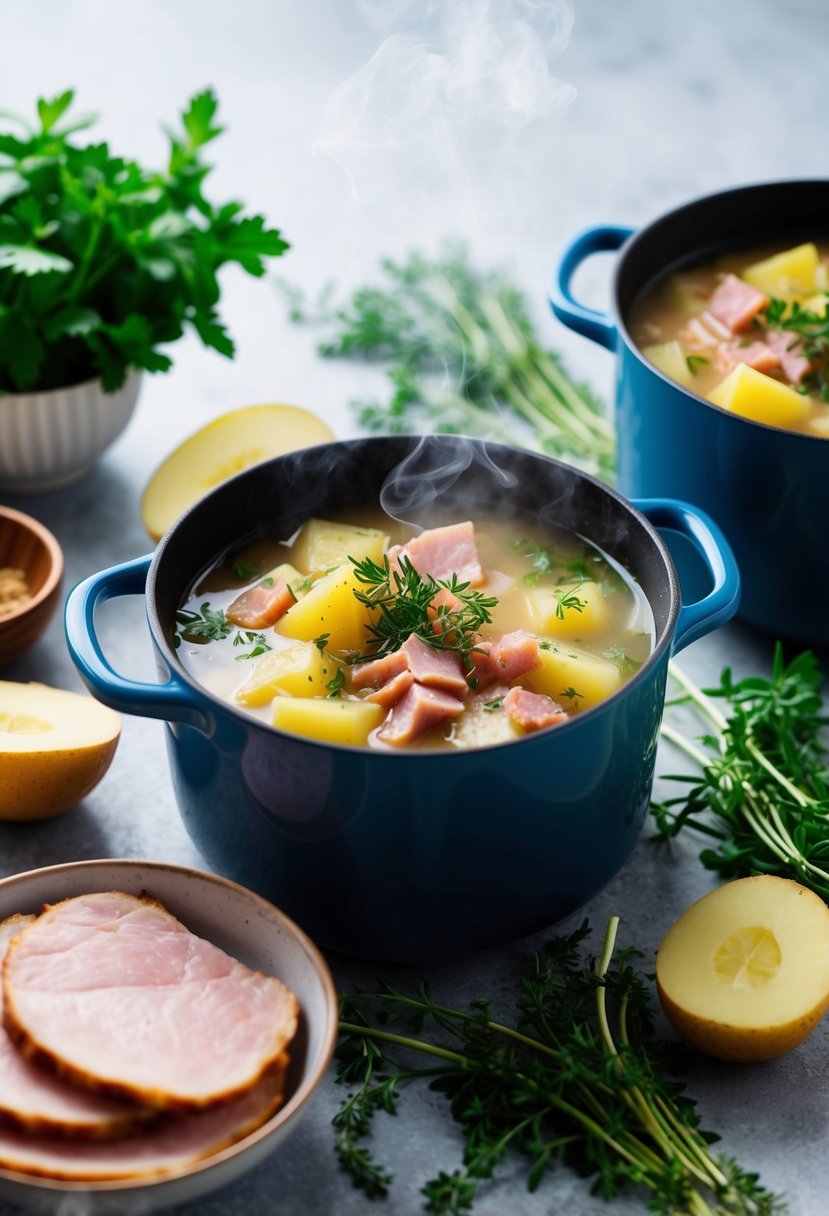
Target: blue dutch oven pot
{"type": "Point", "coordinates": [410, 854]}
{"type": "Point", "coordinates": [767, 488]}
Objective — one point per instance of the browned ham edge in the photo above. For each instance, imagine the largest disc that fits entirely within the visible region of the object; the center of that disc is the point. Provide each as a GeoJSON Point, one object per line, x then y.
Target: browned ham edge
{"type": "Point", "coordinates": [84, 982]}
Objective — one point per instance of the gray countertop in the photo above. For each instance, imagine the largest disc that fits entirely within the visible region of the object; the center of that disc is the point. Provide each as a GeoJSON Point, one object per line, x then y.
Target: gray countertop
{"type": "Point", "coordinates": [368, 128]}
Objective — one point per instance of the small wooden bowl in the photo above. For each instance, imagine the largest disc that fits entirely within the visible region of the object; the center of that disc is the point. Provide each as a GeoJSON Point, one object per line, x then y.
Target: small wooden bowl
{"type": "Point", "coordinates": [27, 546]}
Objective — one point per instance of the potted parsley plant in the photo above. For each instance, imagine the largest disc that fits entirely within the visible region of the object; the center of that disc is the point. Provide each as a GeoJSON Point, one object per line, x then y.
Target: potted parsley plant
{"type": "Point", "coordinates": [103, 264]}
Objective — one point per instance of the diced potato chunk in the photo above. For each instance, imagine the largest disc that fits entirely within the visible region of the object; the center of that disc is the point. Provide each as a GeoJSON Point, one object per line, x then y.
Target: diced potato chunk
{"type": "Point", "coordinates": [787, 273]}
{"type": "Point", "coordinates": [572, 610]}
{"type": "Point", "coordinates": [298, 670]}
{"type": "Point", "coordinates": [331, 607]}
{"type": "Point", "coordinates": [816, 303]}
{"type": "Point", "coordinates": [670, 359]}
{"type": "Point", "coordinates": [478, 726]}
{"type": "Point", "coordinates": [572, 677]}
{"type": "Point", "coordinates": [322, 545]}
{"type": "Point", "coordinates": [754, 395]}
{"type": "Point", "coordinates": [331, 719]}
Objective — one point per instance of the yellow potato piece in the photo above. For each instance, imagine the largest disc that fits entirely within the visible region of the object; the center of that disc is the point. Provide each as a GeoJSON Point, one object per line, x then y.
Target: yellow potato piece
{"type": "Point", "coordinates": [788, 273]}
{"type": "Point", "coordinates": [230, 443]}
{"type": "Point", "coordinates": [55, 746]}
{"type": "Point", "coordinates": [297, 670]}
{"type": "Point", "coordinates": [744, 973]}
{"type": "Point", "coordinates": [331, 607]}
{"type": "Point", "coordinates": [751, 394]}
{"type": "Point", "coordinates": [332, 720]}
{"type": "Point", "coordinates": [669, 357]}
{"type": "Point", "coordinates": [573, 610]}
{"type": "Point", "coordinates": [572, 677]}
{"type": "Point", "coordinates": [322, 545]}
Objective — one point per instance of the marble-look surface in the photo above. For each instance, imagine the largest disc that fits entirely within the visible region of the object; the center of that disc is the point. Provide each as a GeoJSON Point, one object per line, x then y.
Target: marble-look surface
{"type": "Point", "coordinates": [363, 129]}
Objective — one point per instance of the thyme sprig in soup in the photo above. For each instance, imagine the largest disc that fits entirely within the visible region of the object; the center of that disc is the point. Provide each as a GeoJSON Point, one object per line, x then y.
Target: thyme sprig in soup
{"type": "Point", "coordinates": [748, 331]}
{"type": "Point", "coordinates": [459, 636]}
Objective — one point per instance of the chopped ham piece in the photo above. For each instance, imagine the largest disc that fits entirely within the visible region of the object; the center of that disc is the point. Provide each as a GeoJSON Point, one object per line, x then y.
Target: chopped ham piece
{"type": "Point", "coordinates": [759, 355]}
{"type": "Point", "coordinates": [443, 552]}
{"type": "Point", "coordinates": [113, 992]}
{"type": "Point", "coordinates": [697, 337]}
{"type": "Point", "coordinates": [172, 1143]}
{"type": "Point", "coordinates": [789, 353]}
{"type": "Point", "coordinates": [483, 670]}
{"type": "Point", "coordinates": [533, 710]}
{"type": "Point", "coordinates": [377, 672]}
{"type": "Point", "coordinates": [736, 303]}
{"type": "Point", "coordinates": [261, 605]}
{"type": "Point", "coordinates": [435, 668]}
{"type": "Point", "coordinates": [389, 694]}
{"type": "Point", "coordinates": [442, 604]}
{"type": "Point", "coordinates": [514, 655]}
{"type": "Point", "coordinates": [418, 710]}
{"type": "Point", "coordinates": [37, 1101]}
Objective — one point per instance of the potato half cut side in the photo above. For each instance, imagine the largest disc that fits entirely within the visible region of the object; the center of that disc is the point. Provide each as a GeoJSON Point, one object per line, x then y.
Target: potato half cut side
{"type": "Point", "coordinates": [230, 443]}
{"type": "Point", "coordinates": [744, 972]}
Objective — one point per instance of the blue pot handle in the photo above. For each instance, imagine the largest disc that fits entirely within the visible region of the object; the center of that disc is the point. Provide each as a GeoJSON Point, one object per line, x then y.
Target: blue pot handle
{"type": "Point", "coordinates": [173, 701]}
{"type": "Point", "coordinates": [589, 322]}
{"type": "Point", "coordinates": [722, 602]}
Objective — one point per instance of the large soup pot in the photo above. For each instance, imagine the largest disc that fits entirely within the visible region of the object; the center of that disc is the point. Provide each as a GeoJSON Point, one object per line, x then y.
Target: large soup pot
{"type": "Point", "coordinates": [767, 488]}
{"type": "Point", "coordinates": [410, 854]}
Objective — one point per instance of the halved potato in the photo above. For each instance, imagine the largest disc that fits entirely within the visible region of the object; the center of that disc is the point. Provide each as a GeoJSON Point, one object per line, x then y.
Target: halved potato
{"type": "Point", "coordinates": [55, 746]}
{"type": "Point", "coordinates": [227, 445]}
{"type": "Point", "coordinates": [744, 972]}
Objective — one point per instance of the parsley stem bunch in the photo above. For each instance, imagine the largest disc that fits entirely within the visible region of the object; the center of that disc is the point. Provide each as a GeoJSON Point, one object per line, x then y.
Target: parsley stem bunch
{"type": "Point", "coordinates": [462, 356]}
{"type": "Point", "coordinates": [557, 1085]}
{"type": "Point", "coordinates": [763, 793]}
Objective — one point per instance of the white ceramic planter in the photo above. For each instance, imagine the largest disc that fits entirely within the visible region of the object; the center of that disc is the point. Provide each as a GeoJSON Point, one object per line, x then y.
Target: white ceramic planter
{"type": "Point", "coordinates": [51, 439]}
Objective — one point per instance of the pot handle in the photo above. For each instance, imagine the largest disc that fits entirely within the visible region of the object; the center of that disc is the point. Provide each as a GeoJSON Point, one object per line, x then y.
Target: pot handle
{"type": "Point", "coordinates": [172, 701]}
{"type": "Point", "coordinates": [591, 323]}
{"type": "Point", "coordinates": [723, 600]}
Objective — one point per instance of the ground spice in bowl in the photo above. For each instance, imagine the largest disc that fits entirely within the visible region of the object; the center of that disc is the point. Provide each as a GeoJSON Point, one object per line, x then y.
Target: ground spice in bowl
{"type": "Point", "coordinates": [14, 590]}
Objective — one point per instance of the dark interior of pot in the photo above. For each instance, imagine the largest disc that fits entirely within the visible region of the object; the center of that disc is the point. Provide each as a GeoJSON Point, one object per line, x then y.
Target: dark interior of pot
{"type": "Point", "coordinates": [422, 480]}
{"type": "Point", "coordinates": [783, 212]}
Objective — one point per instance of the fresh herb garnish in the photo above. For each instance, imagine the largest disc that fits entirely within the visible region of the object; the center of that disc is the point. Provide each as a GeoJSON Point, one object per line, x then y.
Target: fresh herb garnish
{"type": "Point", "coordinates": [496, 703]}
{"type": "Point", "coordinates": [559, 1084]}
{"type": "Point", "coordinates": [336, 683]}
{"type": "Point", "coordinates": [257, 641]}
{"type": "Point", "coordinates": [463, 357]}
{"type": "Point", "coordinates": [208, 623]}
{"type": "Point", "coordinates": [104, 264]}
{"type": "Point", "coordinates": [322, 641]}
{"type": "Point", "coordinates": [810, 332]}
{"type": "Point", "coordinates": [402, 600]}
{"type": "Point", "coordinates": [243, 573]}
{"type": "Point", "coordinates": [570, 694]}
{"type": "Point", "coordinates": [695, 362]}
{"type": "Point", "coordinates": [763, 793]}
{"type": "Point", "coordinates": [568, 600]}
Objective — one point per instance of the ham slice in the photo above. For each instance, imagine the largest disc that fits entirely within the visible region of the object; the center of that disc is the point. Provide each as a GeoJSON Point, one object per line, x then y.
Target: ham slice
{"type": "Point", "coordinates": [261, 605]}
{"type": "Point", "coordinates": [443, 552]}
{"type": "Point", "coordinates": [789, 353]}
{"type": "Point", "coordinates": [173, 1142]}
{"type": "Point", "coordinates": [435, 668]}
{"type": "Point", "coordinates": [533, 710]}
{"type": "Point", "coordinates": [113, 992]}
{"type": "Point", "coordinates": [514, 654]}
{"type": "Point", "coordinates": [417, 711]}
{"type": "Point", "coordinates": [759, 355]}
{"type": "Point", "coordinates": [736, 303]}
{"type": "Point", "coordinates": [35, 1100]}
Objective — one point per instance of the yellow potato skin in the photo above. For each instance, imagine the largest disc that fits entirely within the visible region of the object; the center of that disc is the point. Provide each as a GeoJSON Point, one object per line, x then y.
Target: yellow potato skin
{"type": "Point", "coordinates": [39, 785]}
{"type": "Point", "coordinates": [755, 1021]}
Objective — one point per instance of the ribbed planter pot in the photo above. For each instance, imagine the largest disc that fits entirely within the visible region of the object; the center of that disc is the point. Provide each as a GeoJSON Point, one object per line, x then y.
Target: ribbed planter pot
{"type": "Point", "coordinates": [52, 439]}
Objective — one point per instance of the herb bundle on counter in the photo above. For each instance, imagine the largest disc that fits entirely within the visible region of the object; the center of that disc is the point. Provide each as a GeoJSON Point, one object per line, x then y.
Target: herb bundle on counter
{"type": "Point", "coordinates": [462, 356]}
{"type": "Point", "coordinates": [579, 1079]}
{"type": "Point", "coordinates": [762, 793]}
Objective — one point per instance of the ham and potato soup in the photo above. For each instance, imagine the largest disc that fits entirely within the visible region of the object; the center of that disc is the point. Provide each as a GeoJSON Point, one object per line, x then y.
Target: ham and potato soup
{"type": "Point", "coordinates": [357, 631]}
{"type": "Point", "coordinates": [747, 331]}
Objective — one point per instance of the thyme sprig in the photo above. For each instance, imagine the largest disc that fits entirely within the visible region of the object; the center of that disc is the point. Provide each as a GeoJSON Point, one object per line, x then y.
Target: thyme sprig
{"type": "Point", "coordinates": [810, 330]}
{"type": "Point", "coordinates": [578, 1078]}
{"type": "Point", "coordinates": [762, 790]}
{"type": "Point", "coordinates": [403, 601]}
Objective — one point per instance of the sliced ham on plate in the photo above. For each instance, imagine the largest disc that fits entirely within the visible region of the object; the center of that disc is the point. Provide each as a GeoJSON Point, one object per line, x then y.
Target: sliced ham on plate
{"type": "Point", "coordinates": [172, 1143]}
{"type": "Point", "coordinates": [112, 991]}
{"type": "Point", "coordinates": [35, 1100]}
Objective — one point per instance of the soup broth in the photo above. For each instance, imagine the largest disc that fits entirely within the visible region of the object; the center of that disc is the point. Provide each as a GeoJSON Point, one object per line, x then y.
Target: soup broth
{"type": "Point", "coordinates": [746, 331]}
{"type": "Point", "coordinates": [471, 636]}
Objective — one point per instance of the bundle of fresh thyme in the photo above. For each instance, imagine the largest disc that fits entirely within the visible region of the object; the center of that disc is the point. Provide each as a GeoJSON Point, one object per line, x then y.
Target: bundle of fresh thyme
{"type": "Point", "coordinates": [462, 356]}
{"type": "Point", "coordinates": [762, 790]}
{"type": "Point", "coordinates": [559, 1085]}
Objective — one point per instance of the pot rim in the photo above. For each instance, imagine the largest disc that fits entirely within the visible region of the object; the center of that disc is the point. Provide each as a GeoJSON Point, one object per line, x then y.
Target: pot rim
{"type": "Point", "coordinates": [224, 708]}
{"type": "Point", "coordinates": [675, 215]}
